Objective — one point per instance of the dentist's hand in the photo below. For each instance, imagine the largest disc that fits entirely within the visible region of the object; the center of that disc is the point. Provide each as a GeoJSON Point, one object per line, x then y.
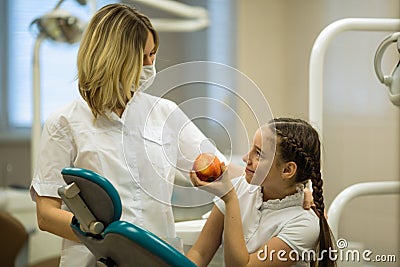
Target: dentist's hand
{"type": "Point", "coordinates": [220, 187]}
{"type": "Point", "coordinates": [308, 199]}
{"type": "Point", "coordinates": [308, 202]}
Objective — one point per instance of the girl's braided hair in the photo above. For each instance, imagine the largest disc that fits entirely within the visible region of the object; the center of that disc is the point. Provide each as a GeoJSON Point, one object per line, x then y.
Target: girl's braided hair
{"type": "Point", "coordinates": [299, 142]}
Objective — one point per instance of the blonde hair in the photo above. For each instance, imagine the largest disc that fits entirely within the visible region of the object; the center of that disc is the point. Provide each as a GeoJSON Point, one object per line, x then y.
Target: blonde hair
{"type": "Point", "coordinates": [110, 57]}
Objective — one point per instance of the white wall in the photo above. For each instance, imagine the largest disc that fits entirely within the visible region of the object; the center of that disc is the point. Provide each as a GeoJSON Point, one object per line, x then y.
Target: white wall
{"type": "Point", "coordinates": [361, 126]}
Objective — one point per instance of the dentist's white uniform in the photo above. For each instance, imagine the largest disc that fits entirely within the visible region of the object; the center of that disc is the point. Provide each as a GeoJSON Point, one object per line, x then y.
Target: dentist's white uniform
{"type": "Point", "coordinates": [137, 153]}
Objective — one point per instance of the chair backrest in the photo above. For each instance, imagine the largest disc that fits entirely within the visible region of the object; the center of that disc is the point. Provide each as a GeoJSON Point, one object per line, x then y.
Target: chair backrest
{"type": "Point", "coordinates": [97, 193]}
{"type": "Point", "coordinates": [121, 243]}
{"type": "Point", "coordinates": [13, 237]}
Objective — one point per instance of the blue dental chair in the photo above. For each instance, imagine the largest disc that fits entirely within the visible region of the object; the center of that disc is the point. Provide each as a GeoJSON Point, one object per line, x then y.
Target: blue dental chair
{"type": "Point", "coordinates": [97, 209]}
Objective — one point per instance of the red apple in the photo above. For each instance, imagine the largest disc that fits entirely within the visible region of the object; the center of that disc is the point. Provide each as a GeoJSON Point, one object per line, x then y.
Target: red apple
{"type": "Point", "coordinates": [207, 167]}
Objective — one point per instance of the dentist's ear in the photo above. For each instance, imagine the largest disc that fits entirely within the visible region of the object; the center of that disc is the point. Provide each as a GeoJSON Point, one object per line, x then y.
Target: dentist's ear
{"type": "Point", "coordinates": [289, 170]}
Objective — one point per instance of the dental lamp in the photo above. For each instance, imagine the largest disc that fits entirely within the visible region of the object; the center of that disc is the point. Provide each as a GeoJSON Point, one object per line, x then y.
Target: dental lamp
{"type": "Point", "coordinates": [392, 81]}
{"type": "Point", "coordinates": [193, 18]}
{"type": "Point", "coordinates": [60, 26]}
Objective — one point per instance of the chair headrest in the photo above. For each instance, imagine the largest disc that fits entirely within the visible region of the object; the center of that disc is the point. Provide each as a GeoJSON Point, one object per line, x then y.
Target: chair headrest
{"type": "Point", "coordinates": [98, 193]}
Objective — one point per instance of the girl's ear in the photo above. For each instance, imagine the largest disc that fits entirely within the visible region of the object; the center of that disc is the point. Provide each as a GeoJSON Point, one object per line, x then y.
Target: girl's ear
{"type": "Point", "coordinates": [289, 170]}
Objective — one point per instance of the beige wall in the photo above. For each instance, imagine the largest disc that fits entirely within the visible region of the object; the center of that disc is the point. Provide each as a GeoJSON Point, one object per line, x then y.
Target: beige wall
{"type": "Point", "coordinates": [361, 126]}
{"type": "Point", "coordinates": [274, 45]}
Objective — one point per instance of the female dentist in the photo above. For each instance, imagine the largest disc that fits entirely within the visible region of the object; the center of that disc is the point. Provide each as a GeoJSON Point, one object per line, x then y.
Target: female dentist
{"type": "Point", "coordinates": [116, 56]}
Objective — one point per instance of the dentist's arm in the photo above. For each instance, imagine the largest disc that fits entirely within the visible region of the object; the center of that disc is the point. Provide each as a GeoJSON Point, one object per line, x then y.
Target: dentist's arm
{"type": "Point", "coordinates": [53, 219]}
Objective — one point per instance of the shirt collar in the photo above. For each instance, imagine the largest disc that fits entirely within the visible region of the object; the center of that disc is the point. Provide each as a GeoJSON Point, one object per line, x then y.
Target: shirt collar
{"type": "Point", "coordinates": [289, 201]}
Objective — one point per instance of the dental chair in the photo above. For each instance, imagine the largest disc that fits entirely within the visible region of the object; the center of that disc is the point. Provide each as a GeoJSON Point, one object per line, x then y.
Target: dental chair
{"type": "Point", "coordinates": [97, 208]}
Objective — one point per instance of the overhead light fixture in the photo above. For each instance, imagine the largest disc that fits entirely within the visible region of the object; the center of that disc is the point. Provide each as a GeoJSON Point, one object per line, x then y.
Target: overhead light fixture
{"type": "Point", "coordinates": [193, 18]}
{"type": "Point", "coordinates": [59, 25]}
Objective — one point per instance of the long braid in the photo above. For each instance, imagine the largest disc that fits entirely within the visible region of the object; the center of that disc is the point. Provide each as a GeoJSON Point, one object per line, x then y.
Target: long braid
{"type": "Point", "coordinates": [325, 234]}
{"type": "Point", "coordinates": [299, 142]}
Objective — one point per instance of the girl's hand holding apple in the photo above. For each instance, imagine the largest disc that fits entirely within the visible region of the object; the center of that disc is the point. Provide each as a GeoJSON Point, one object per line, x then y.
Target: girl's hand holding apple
{"type": "Point", "coordinates": [210, 175]}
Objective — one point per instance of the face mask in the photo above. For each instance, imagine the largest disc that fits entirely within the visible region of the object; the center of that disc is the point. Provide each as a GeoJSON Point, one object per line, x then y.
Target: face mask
{"type": "Point", "coordinates": [147, 76]}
